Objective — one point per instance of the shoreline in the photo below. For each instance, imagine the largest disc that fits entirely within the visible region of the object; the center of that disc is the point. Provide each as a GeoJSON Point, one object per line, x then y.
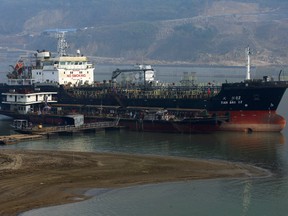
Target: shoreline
{"type": "Point", "coordinates": [33, 179]}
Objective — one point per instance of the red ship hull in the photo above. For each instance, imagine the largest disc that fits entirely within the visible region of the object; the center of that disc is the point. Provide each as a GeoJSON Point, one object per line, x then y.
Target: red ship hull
{"type": "Point", "coordinates": [258, 121]}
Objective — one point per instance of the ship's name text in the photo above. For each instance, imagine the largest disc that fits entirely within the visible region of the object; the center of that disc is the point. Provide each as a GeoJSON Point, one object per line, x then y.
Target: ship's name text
{"type": "Point", "coordinates": [232, 100]}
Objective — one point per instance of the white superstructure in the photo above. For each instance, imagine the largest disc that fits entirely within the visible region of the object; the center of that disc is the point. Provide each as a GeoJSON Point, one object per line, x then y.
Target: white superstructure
{"type": "Point", "coordinates": [62, 69]}
{"type": "Point", "coordinates": [149, 73]}
{"type": "Point", "coordinates": [74, 70]}
{"type": "Point", "coordinates": [24, 103]}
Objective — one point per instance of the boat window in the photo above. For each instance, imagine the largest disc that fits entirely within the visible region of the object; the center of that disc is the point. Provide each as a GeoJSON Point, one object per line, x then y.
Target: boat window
{"type": "Point", "coordinates": [80, 63]}
{"type": "Point", "coordinates": [48, 63]}
{"type": "Point", "coordinates": [76, 63]}
{"type": "Point", "coordinates": [62, 63]}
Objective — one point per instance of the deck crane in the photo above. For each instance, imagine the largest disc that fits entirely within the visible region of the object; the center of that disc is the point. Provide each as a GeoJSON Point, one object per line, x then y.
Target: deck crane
{"type": "Point", "coordinates": [118, 71]}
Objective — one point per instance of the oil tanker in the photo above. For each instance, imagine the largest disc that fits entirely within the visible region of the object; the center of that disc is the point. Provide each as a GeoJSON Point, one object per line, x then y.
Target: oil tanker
{"type": "Point", "coordinates": [249, 105]}
{"type": "Point", "coordinates": [144, 104]}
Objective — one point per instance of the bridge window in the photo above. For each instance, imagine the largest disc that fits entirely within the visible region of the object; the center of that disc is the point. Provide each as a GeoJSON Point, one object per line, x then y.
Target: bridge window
{"type": "Point", "coordinates": [48, 63]}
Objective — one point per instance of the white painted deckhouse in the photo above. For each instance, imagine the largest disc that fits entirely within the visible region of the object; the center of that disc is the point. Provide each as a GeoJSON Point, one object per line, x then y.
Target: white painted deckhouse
{"type": "Point", "coordinates": [25, 103]}
{"type": "Point", "coordinates": [63, 69]}
{"type": "Point", "coordinates": [74, 70]}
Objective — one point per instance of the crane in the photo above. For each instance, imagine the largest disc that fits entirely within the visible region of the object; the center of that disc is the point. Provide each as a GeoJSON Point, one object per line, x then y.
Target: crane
{"type": "Point", "coordinates": [118, 71]}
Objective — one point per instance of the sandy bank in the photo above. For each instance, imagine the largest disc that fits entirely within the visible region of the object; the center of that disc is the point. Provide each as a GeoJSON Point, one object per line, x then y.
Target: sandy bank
{"type": "Point", "coordinates": [33, 179]}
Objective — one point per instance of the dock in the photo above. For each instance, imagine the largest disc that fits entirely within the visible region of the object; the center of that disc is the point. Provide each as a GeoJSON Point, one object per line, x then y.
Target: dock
{"type": "Point", "coordinates": [14, 138]}
{"type": "Point", "coordinates": [68, 128]}
{"type": "Point", "coordinates": [34, 133]}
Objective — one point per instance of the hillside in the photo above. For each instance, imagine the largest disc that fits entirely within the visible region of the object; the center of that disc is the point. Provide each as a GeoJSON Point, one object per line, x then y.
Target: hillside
{"type": "Point", "coordinates": [184, 32]}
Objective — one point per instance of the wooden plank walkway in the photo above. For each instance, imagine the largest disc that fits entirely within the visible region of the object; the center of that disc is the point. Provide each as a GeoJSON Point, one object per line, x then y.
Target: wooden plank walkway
{"type": "Point", "coordinates": [32, 133]}
{"type": "Point", "coordinates": [69, 128]}
{"type": "Point", "coordinates": [14, 138]}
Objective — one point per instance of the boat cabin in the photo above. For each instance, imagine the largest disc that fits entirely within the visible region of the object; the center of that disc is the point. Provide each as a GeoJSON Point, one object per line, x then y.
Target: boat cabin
{"type": "Point", "coordinates": [24, 103]}
{"type": "Point", "coordinates": [20, 124]}
{"type": "Point", "coordinates": [63, 70]}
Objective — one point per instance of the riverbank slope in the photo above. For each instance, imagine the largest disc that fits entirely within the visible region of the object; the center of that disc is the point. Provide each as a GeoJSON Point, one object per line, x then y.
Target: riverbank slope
{"type": "Point", "coordinates": [34, 179]}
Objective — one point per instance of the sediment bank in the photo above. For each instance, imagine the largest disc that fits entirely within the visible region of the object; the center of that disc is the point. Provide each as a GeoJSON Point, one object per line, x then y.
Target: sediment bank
{"type": "Point", "coordinates": [32, 179]}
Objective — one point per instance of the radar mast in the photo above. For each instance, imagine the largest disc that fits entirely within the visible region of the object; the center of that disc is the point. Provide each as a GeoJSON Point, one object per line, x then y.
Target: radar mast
{"type": "Point", "coordinates": [248, 63]}
{"type": "Point", "coordinates": [62, 44]}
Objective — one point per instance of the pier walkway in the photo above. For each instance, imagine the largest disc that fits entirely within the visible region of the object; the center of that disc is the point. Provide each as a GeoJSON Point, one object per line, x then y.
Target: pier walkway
{"type": "Point", "coordinates": [32, 133]}
{"type": "Point", "coordinates": [68, 128]}
{"type": "Point", "coordinates": [14, 138]}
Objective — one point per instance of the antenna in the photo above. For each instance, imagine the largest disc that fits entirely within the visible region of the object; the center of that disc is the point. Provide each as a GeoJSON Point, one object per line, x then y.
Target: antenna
{"type": "Point", "coordinates": [62, 44]}
{"type": "Point", "coordinates": [60, 35]}
{"type": "Point", "coordinates": [248, 63]}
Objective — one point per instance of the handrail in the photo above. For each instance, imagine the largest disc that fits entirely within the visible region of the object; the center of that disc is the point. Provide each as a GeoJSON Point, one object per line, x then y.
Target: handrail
{"type": "Point", "coordinates": [67, 128]}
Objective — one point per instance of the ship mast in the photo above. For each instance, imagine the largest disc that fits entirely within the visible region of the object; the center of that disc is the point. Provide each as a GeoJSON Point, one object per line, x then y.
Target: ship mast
{"type": "Point", "coordinates": [62, 44]}
{"type": "Point", "coordinates": [248, 63]}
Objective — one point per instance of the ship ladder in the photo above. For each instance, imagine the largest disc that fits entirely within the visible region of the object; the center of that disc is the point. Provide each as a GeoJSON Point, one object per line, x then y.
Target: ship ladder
{"type": "Point", "coordinates": [176, 127]}
{"type": "Point", "coordinates": [139, 125]}
{"type": "Point", "coordinates": [117, 121]}
{"type": "Point", "coordinates": [120, 102]}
